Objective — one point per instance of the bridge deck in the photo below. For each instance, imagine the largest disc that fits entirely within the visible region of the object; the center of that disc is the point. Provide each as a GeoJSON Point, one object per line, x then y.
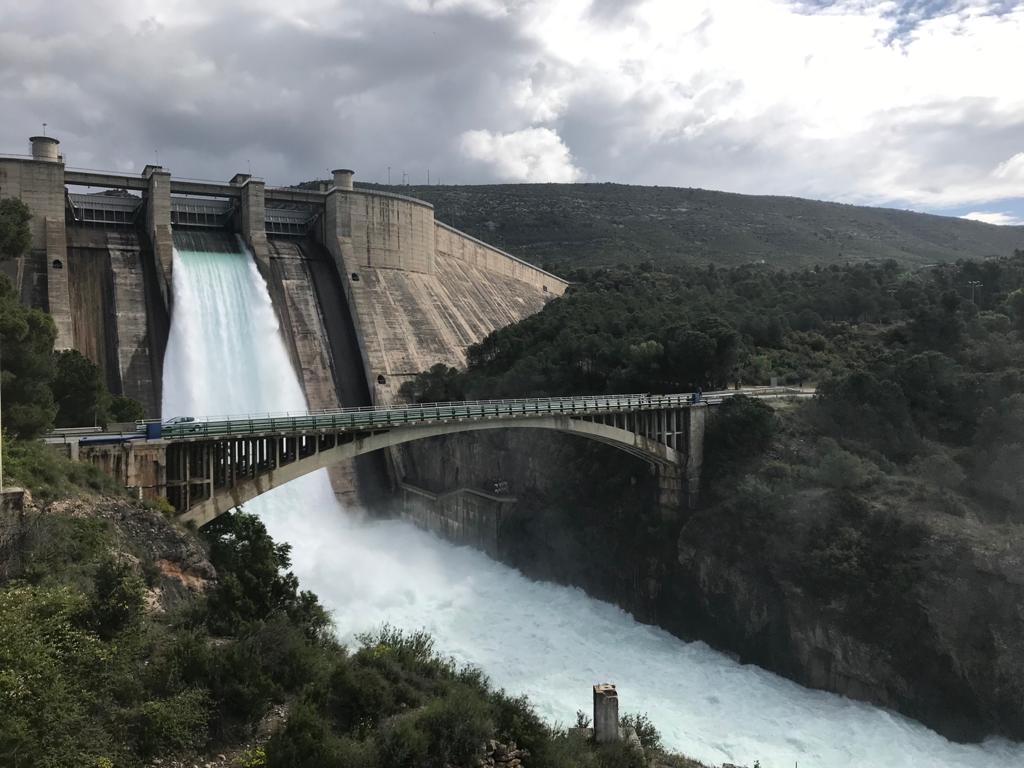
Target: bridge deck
{"type": "Point", "coordinates": [369, 418]}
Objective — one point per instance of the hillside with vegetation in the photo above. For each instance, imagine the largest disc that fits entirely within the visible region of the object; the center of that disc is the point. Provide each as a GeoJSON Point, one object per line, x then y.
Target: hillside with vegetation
{"type": "Point", "coordinates": [127, 641]}
{"type": "Point", "coordinates": [563, 227]}
{"type": "Point", "coordinates": [869, 541]}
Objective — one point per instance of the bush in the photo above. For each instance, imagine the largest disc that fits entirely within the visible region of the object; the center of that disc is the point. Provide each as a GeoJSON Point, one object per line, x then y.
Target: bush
{"type": "Point", "coordinates": [254, 583]}
{"type": "Point", "coordinates": [646, 731]}
{"type": "Point", "coordinates": [78, 390]}
{"type": "Point", "coordinates": [53, 675]}
{"type": "Point", "coordinates": [403, 744]}
{"type": "Point", "coordinates": [440, 384]}
{"type": "Point", "coordinates": [869, 558]}
{"type": "Point", "coordinates": [839, 469]}
{"type": "Point", "coordinates": [118, 597]}
{"type": "Point", "coordinates": [741, 429]}
{"type": "Point", "coordinates": [360, 697]}
{"type": "Point", "coordinates": [938, 469]}
{"type": "Point", "coordinates": [49, 475]}
{"type": "Point", "coordinates": [124, 409]}
{"type": "Point", "coordinates": [456, 726]}
{"type": "Point", "coordinates": [305, 741]}
{"type": "Point", "coordinates": [170, 726]}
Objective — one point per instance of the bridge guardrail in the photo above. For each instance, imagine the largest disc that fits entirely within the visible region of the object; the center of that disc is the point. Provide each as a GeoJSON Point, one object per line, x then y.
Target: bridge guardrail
{"type": "Point", "coordinates": [370, 417]}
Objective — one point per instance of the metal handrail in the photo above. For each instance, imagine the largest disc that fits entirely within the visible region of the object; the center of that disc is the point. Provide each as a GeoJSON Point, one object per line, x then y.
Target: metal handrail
{"type": "Point", "coordinates": [365, 417]}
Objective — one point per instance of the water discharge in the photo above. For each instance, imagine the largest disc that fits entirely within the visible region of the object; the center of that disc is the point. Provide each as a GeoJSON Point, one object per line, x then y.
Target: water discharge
{"type": "Point", "coordinates": [225, 356]}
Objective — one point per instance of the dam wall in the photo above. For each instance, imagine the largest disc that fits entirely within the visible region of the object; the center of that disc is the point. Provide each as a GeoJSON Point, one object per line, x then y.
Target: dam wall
{"type": "Point", "coordinates": [110, 313]}
{"type": "Point", "coordinates": [319, 334]}
{"type": "Point", "coordinates": [421, 292]}
{"type": "Point", "coordinates": [370, 290]}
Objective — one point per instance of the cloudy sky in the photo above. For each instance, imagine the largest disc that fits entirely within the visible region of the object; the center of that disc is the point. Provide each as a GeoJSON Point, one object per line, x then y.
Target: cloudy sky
{"type": "Point", "coordinates": [917, 104]}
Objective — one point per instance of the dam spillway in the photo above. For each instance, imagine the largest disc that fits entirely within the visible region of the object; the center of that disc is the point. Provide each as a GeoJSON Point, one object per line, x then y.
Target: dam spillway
{"type": "Point", "coordinates": [547, 641]}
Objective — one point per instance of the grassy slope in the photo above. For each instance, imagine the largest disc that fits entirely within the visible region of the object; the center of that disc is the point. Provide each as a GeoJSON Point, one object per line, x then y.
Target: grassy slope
{"type": "Point", "coordinates": [574, 225]}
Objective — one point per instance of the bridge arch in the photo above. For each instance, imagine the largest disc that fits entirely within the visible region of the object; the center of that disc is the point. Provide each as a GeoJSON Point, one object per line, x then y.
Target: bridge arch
{"type": "Point", "coordinates": [669, 460]}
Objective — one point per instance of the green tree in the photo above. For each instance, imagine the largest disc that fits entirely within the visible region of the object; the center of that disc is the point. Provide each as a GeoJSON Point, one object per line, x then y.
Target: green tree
{"type": "Point", "coordinates": [441, 384]}
{"type": "Point", "coordinates": [15, 235]}
{"type": "Point", "coordinates": [1015, 302]}
{"type": "Point", "coordinates": [26, 365]}
{"type": "Point", "coordinates": [255, 583]}
{"type": "Point", "coordinates": [79, 391]}
{"type": "Point", "coordinates": [124, 409]}
{"type": "Point", "coordinates": [118, 597]}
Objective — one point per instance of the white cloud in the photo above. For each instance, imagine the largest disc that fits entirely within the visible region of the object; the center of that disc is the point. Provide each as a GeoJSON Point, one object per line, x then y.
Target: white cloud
{"type": "Point", "coordinates": [995, 217]}
{"type": "Point", "coordinates": [864, 101]}
{"type": "Point", "coordinates": [855, 102]}
{"type": "Point", "coordinates": [532, 154]}
{"type": "Point", "coordinates": [1012, 170]}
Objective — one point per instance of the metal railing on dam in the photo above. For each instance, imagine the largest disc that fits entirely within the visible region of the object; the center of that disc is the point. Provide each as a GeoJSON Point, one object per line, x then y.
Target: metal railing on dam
{"type": "Point", "coordinates": [369, 417]}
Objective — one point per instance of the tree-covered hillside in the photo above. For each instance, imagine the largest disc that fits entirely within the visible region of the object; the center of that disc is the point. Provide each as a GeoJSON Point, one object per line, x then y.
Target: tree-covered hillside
{"type": "Point", "coordinates": [910, 365]}
{"type": "Point", "coordinates": [565, 226]}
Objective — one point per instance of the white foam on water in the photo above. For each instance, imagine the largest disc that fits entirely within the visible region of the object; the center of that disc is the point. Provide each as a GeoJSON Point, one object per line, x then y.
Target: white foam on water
{"type": "Point", "coordinates": [226, 356]}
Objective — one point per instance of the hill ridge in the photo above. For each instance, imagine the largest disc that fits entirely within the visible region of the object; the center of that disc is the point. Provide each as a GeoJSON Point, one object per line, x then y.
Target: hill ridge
{"type": "Point", "coordinates": [567, 226]}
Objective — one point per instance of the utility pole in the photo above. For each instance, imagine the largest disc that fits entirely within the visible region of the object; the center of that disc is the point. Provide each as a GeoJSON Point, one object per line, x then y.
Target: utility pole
{"type": "Point", "coordinates": [389, 175]}
{"type": "Point", "coordinates": [974, 284]}
{"type": "Point", "coordinates": [428, 177]}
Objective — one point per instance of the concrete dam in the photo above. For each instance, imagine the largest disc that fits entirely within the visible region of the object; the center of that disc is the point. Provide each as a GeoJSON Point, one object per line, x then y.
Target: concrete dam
{"type": "Point", "coordinates": [360, 280]}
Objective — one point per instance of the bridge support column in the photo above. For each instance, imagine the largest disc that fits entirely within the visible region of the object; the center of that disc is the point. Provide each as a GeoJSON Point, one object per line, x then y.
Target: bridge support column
{"type": "Point", "coordinates": [695, 418]}
{"type": "Point", "coordinates": [671, 489]}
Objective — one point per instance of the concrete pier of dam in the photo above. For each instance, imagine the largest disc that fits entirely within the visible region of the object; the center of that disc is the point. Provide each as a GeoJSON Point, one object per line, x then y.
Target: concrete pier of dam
{"type": "Point", "coordinates": [370, 289]}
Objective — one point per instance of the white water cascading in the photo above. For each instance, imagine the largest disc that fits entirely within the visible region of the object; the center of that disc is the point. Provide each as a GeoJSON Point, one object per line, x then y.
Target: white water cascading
{"type": "Point", "coordinates": [225, 356]}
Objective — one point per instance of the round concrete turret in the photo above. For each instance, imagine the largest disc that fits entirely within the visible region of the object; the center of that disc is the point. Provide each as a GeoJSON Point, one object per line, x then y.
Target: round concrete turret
{"type": "Point", "coordinates": [343, 178]}
{"type": "Point", "coordinates": [45, 148]}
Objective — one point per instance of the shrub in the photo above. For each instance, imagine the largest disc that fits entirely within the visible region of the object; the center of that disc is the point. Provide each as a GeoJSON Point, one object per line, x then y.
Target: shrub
{"type": "Point", "coordinates": [402, 744]}
{"type": "Point", "coordinates": [118, 596]}
{"type": "Point", "coordinates": [359, 697]}
{"type": "Point", "coordinates": [646, 731]}
{"type": "Point", "coordinates": [49, 475]}
{"type": "Point", "coordinates": [170, 726]}
{"type": "Point", "coordinates": [741, 429]}
{"type": "Point", "coordinates": [456, 726]}
{"type": "Point", "coordinates": [938, 469]}
{"type": "Point", "coordinates": [304, 742]}
{"type": "Point", "coordinates": [254, 582]}
{"type": "Point", "coordinates": [124, 409]}
{"type": "Point", "coordinates": [841, 469]}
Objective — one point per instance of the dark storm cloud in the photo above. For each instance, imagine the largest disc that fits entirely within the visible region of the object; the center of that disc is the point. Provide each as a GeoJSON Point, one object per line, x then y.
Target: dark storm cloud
{"type": "Point", "coordinates": [391, 86]}
{"type": "Point", "coordinates": [612, 10]}
{"type": "Point", "coordinates": [644, 91]}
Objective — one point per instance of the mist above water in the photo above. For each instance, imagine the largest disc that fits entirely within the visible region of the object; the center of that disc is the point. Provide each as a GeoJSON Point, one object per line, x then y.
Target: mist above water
{"type": "Point", "coordinates": [225, 356]}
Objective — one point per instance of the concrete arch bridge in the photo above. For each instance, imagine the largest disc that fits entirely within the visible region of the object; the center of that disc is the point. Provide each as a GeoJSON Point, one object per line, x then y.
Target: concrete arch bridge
{"type": "Point", "coordinates": [213, 466]}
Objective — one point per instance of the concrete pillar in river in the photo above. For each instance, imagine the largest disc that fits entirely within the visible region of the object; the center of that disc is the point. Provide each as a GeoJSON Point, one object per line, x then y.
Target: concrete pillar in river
{"type": "Point", "coordinates": [696, 417]}
{"type": "Point", "coordinates": [606, 713]}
